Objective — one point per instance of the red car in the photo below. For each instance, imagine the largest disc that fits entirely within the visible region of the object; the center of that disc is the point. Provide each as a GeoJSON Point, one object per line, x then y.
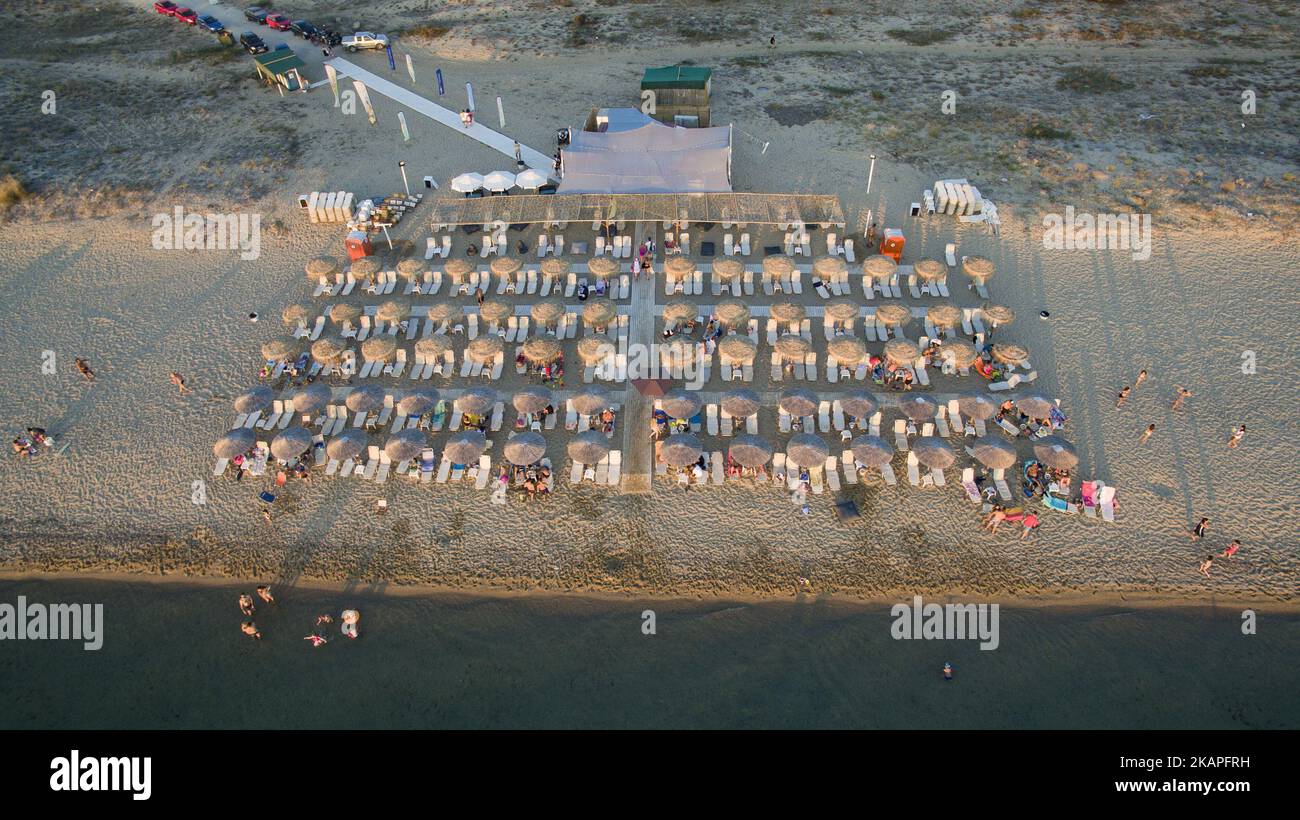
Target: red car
{"type": "Point", "coordinates": [187, 15]}
{"type": "Point", "coordinates": [166, 7]}
{"type": "Point", "coordinates": [278, 22]}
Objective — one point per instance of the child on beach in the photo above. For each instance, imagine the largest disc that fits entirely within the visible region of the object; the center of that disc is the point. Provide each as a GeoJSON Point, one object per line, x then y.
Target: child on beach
{"type": "Point", "coordinates": [1206, 564]}
{"type": "Point", "coordinates": [1231, 549]}
{"type": "Point", "coordinates": [1031, 524]}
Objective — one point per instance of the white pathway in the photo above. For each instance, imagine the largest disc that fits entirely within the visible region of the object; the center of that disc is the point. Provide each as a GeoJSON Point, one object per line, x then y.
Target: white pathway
{"type": "Point", "coordinates": [451, 119]}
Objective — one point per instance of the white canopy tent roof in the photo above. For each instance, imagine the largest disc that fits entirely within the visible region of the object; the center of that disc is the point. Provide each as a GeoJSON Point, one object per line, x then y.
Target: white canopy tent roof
{"type": "Point", "coordinates": [646, 158]}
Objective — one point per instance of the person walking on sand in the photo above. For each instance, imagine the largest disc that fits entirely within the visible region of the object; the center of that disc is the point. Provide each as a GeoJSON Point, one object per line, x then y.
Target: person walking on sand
{"type": "Point", "coordinates": [1200, 529]}
{"type": "Point", "coordinates": [179, 381]}
{"type": "Point", "coordinates": [246, 604]}
{"type": "Point", "coordinates": [1231, 549]}
{"type": "Point", "coordinates": [83, 367]}
{"type": "Point", "coordinates": [1183, 393]}
{"type": "Point", "coordinates": [1206, 564]}
{"type": "Point", "coordinates": [1237, 436]}
{"type": "Point", "coordinates": [1146, 434]}
{"type": "Point", "coordinates": [1122, 397]}
{"type": "Point", "coordinates": [1142, 376]}
{"type": "Point", "coordinates": [250, 629]}
{"type": "Point", "coordinates": [264, 592]}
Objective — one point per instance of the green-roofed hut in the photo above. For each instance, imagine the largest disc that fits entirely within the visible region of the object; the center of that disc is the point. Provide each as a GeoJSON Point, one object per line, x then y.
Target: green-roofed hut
{"type": "Point", "coordinates": [680, 94]}
{"type": "Point", "coordinates": [281, 66]}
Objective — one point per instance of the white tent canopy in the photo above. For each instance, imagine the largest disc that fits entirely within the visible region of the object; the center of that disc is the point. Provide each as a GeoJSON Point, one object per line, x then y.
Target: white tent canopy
{"type": "Point", "coordinates": [650, 158]}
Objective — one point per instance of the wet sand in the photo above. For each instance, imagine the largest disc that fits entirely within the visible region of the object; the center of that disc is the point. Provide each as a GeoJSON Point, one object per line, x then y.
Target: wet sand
{"type": "Point", "coordinates": [173, 657]}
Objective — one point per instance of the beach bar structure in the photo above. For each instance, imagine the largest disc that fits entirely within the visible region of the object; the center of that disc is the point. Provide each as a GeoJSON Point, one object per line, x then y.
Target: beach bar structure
{"type": "Point", "coordinates": [281, 66]}
{"type": "Point", "coordinates": [681, 94]}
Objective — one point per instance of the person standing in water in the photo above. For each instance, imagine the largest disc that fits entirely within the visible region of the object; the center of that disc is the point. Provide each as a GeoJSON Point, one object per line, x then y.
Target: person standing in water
{"type": "Point", "coordinates": [947, 671]}
{"type": "Point", "coordinates": [350, 618]}
{"type": "Point", "coordinates": [250, 629]}
{"type": "Point", "coordinates": [246, 604]}
{"type": "Point", "coordinates": [264, 592]}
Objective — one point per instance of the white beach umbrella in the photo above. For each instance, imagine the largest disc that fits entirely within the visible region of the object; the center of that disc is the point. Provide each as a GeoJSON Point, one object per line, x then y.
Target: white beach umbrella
{"type": "Point", "coordinates": [531, 179]}
{"type": "Point", "coordinates": [467, 183]}
{"type": "Point", "coordinates": [499, 181]}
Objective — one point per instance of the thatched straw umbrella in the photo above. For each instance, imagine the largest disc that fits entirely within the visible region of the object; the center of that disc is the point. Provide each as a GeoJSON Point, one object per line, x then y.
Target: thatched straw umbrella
{"type": "Point", "coordinates": [786, 312]}
{"type": "Point", "coordinates": [929, 269]}
{"type": "Point", "coordinates": [432, 348]}
{"type": "Point", "coordinates": [842, 310]}
{"type": "Point", "coordinates": [679, 267]}
{"type": "Point", "coordinates": [525, 448]}
{"type": "Point", "coordinates": [291, 443]}
{"type": "Point", "coordinates": [998, 314]}
{"type": "Point", "coordinates": [590, 399]}
{"type": "Point", "coordinates": [343, 312]}
{"type": "Point", "coordinates": [457, 267]}
{"type": "Point", "coordinates": [412, 269]}
{"type": "Point", "coordinates": [367, 267]}
{"type": "Point", "coordinates": [533, 399]}
{"type": "Point", "coordinates": [977, 406]}
{"type": "Point", "coordinates": [828, 267]}
{"type": "Point", "coordinates": [879, 267]}
{"type": "Point", "coordinates": [934, 452]}
{"type": "Point", "coordinates": [1010, 354]}
{"type": "Point", "coordinates": [994, 452]}
{"type": "Point", "coordinates": [588, 447]}
{"type": "Point", "coordinates": [750, 451]}
{"type": "Point", "coordinates": [806, 450]}
{"type": "Point", "coordinates": [365, 398]}
{"type": "Point", "coordinates": [798, 401]}
{"type": "Point", "coordinates": [859, 404]}
{"type": "Point", "coordinates": [731, 312]}
{"type": "Point", "coordinates": [280, 349]}
{"type": "Point", "coordinates": [542, 350]}
{"type": "Point", "coordinates": [312, 398]}
{"type": "Point", "coordinates": [943, 315]}
{"type": "Point", "coordinates": [494, 310]}
{"type": "Point", "coordinates": [393, 311]}
{"type": "Point", "coordinates": [445, 312]}
{"type": "Point", "coordinates": [741, 403]}
{"type": "Point", "coordinates": [326, 351]}
{"type": "Point", "coordinates": [958, 351]}
{"type": "Point", "coordinates": [602, 268]}
{"type": "Point", "coordinates": [236, 442]}
{"type": "Point", "coordinates": [777, 265]}
{"type": "Point", "coordinates": [893, 314]}
{"type": "Point", "coordinates": [326, 266]}
{"type": "Point", "coordinates": [1035, 405]}
{"type": "Point", "coordinates": [727, 270]}
{"type": "Point", "coordinates": [405, 444]}
{"type": "Point", "coordinates": [379, 348]}
{"type": "Point", "coordinates": [556, 268]}
{"type": "Point", "coordinates": [681, 450]}
{"type": "Point", "coordinates": [737, 349]}
{"type": "Point", "coordinates": [977, 268]}
{"type": "Point", "coordinates": [254, 399]}
{"type": "Point", "coordinates": [596, 348]}
{"type": "Point", "coordinates": [418, 402]}
{"type": "Point", "coordinates": [1056, 453]}
{"type": "Point", "coordinates": [680, 311]}
{"type": "Point", "coordinates": [348, 444]}
{"type": "Point", "coordinates": [547, 312]}
{"type": "Point", "coordinates": [505, 266]}
{"type": "Point", "coordinates": [484, 348]}
{"type": "Point", "coordinates": [918, 407]}
{"type": "Point", "coordinates": [599, 313]}
{"type": "Point", "coordinates": [682, 404]}
{"type": "Point", "coordinates": [902, 352]}
{"type": "Point", "coordinates": [476, 400]}
{"type": "Point", "coordinates": [847, 350]}
{"type": "Point", "coordinates": [296, 314]}
{"type": "Point", "coordinates": [873, 451]}
{"type": "Point", "coordinates": [465, 446]}
{"type": "Point", "coordinates": [790, 346]}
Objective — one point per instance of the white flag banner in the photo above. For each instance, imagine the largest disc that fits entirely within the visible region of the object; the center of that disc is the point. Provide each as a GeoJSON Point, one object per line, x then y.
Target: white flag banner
{"type": "Point", "coordinates": [501, 113]}
{"type": "Point", "coordinates": [469, 93]}
{"type": "Point", "coordinates": [410, 68]}
{"type": "Point", "coordinates": [333, 75]}
{"type": "Point", "coordinates": [406, 135]}
{"type": "Point", "coordinates": [365, 100]}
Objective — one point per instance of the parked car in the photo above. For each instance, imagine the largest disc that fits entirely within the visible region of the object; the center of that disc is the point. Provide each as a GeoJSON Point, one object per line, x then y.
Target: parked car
{"type": "Point", "coordinates": [278, 22]}
{"type": "Point", "coordinates": [166, 7]}
{"type": "Point", "coordinates": [364, 39]}
{"type": "Point", "coordinates": [256, 14]}
{"type": "Point", "coordinates": [252, 43]}
{"type": "Point", "coordinates": [303, 29]}
{"type": "Point", "coordinates": [186, 14]}
{"type": "Point", "coordinates": [211, 23]}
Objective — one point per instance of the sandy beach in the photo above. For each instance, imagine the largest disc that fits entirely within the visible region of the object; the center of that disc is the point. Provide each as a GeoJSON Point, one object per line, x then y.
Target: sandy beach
{"type": "Point", "coordinates": [80, 277]}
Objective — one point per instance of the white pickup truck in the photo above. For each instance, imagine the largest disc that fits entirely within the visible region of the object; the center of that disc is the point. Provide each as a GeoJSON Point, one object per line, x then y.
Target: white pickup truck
{"type": "Point", "coordinates": [364, 39]}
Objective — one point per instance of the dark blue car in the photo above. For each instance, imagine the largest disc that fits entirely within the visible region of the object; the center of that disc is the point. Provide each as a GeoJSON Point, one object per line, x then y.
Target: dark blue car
{"type": "Point", "coordinates": [211, 23]}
